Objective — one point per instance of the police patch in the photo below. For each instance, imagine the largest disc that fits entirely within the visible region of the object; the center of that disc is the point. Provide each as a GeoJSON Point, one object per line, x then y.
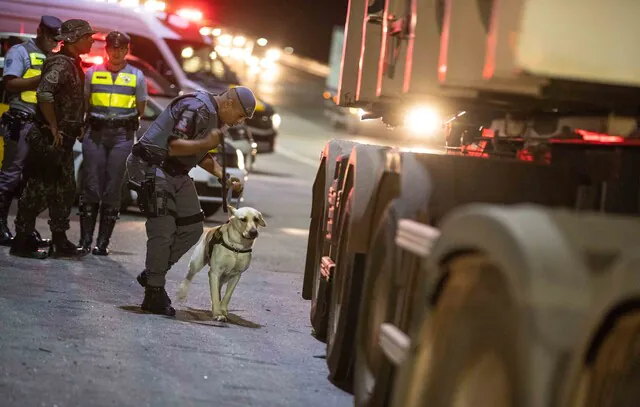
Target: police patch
{"type": "Point", "coordinates": [125, 79]}
{"type": "Point", "coordinates": [53, 77]}
{"type": "Point", "coordinates": [8, 63]}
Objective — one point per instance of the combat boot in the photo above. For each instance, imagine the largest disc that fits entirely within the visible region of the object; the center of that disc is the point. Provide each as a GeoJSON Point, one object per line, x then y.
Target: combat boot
{"type": "Point", "coordinates": [88, 215]}
{"type": "Point", "coordinates": [41, 242]}
{"type": "Point", "coordinates": [26, 245]}
{"type": "Point", "coordinates": [108, 218]}
{"type": "Point", "coordinates": [62, 247]}
{"type": "Point", "coordinates": [143, 277]}
{"type": "Point", "coordinates": [5, 233]}
{"type": "Point", "coordinates": [156, 300]}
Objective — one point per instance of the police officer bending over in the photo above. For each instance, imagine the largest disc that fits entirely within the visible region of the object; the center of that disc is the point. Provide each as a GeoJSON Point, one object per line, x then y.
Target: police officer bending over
{"type": "Point", "coordinates": [22, 67]}
{"type": "Point", "coordinates": [116, 98]}
{"type": "Point", "coordinates": [59, 120]}
{"type": "Point", "coordinates": [178, 140]}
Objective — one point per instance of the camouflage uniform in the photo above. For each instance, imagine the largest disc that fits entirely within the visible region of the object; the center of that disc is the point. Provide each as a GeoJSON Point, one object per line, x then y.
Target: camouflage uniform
{"type": "Point", "coordinates": [49, 172]}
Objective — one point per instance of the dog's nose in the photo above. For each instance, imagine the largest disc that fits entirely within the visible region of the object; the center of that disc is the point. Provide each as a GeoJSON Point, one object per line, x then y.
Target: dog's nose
{"type": "Point", "coordinates": [253, 233]}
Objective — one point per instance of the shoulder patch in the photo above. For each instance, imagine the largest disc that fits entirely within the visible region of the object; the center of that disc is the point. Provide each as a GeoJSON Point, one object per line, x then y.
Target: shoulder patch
{"type": "Point", "coordinates": [53, 76]}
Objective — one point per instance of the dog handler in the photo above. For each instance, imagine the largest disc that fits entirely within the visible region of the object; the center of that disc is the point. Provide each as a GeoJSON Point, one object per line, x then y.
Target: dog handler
{"type": "Point", "coordinates": [158, 167]}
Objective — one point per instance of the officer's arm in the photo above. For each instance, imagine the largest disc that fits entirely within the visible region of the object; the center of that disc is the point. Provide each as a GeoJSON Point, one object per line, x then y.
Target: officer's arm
{"type": "Point", "coordinates": [211, 166]}
{"type": "Point", "coordinates": [189, 119]}
{"type": "Point", "coordinates": [141, 93]}
{"type": "Point", "coordinates": [52, 75]}
{"type": "Point", "coordinates": [87, 90]}
{"type": "Point", "coordinates": [14, 68]}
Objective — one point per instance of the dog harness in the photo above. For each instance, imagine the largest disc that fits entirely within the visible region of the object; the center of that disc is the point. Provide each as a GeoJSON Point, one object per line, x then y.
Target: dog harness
{"type": "Point", "coordinates": [217, 238]}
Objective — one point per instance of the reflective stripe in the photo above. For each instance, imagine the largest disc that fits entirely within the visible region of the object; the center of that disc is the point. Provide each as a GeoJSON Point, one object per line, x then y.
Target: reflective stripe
{"type": "Point", "coordinates": [113, 98]}
{"type": "Point", "coordinates": [36, 59]}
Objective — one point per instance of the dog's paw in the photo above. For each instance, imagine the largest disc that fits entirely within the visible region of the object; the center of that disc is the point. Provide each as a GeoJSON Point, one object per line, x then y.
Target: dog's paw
{"type": "Point", "coordinates": [220, 318]}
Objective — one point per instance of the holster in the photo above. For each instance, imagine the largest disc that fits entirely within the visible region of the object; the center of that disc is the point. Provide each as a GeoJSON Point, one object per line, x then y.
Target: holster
{"type": "Point", "coordinates": [151, 201]}
{"type": "Point", "coordinates": [13, 121]}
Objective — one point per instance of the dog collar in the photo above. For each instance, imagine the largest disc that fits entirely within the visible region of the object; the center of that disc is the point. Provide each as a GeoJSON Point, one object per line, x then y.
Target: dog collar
{"type": "Point", "coordinates": [233, 249]}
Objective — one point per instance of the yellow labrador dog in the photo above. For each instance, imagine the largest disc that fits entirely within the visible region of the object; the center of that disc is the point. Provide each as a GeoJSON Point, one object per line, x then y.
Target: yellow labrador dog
{"type": "Point", "coordinates": [227, 250]}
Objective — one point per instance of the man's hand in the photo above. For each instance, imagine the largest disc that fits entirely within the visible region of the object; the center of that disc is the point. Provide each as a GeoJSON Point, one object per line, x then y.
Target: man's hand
{"type": "Point", "coordinates": [216, 137]}
{"type": "Point", "coordinates": [57, 136]}
{"type": "Point", "coordinates": [235, 184]}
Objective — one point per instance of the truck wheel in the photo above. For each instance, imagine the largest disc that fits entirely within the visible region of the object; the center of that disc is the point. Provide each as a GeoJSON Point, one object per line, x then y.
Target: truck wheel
{"type": "Point", "coordinates": [314, 250]}
{"type": "Point", "coordinates": [372, 370]}
{"type": "Point", "coordinates": [320, 303]}
{"type": "Point", "coordinates": [343, 307]}
{"type": "Point", "coordinates": [611, 380]}
{"type": "Point", "coordinates": [466, 351]}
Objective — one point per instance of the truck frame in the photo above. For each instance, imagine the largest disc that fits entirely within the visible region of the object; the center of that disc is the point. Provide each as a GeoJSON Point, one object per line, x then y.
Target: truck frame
{"type": "Point", "coordinates": [504, 271]}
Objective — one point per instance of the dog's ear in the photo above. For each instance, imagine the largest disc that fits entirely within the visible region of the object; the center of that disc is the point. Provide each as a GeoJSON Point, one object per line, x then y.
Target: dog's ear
{"type": "Point", "coordinates": [232, 210]}
{"type": "Point", "coordinates": [261, 221]}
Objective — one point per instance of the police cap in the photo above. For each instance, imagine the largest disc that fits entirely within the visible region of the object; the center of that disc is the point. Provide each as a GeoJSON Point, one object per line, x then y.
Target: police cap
{"type": "Point", "coordinates": [51, 24]}
{"type": "Point", "coordinates": [247, 100]}
{"type": "Point", "coordinates": [116, 39]}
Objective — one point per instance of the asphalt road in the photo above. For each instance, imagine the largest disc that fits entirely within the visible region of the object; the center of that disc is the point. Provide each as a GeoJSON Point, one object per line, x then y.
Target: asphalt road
{"type": "Point", "coordinates": [72, 334]}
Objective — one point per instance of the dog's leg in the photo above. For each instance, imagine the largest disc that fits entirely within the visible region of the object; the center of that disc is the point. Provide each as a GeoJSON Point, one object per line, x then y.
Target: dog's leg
{"type": "Point", "coordinates": [214, 288]}
{"type": "Point", "coordinates": [194, 267]}
{"type": "Point", "coordinates": [231, 285]}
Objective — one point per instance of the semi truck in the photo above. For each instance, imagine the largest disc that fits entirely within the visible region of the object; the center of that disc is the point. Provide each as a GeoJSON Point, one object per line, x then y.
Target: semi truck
{"type": "Point", "coordinates": [501, 270]}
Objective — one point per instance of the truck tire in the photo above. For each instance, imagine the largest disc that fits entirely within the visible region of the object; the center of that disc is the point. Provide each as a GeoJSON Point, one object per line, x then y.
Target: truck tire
{"type": "Point", "coordinates": [343, 306]}
{"type": "Point", "coordinates": [372, 370]}
{"type": "Point", "coordinates": [611, 379]}
{"type": "Point", "coordinates": [314, 248]}
{"type": "Point", "coordinates": [466, 351]}
{"type": "Point", "coordinates": [319, 313]}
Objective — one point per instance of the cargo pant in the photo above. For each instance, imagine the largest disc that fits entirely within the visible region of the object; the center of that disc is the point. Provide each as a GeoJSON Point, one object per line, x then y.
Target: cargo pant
{"type": "Point", "coordinates": [50, 183]}
{"type": "Point", "coordinates": [169, 236]}
{"type": "Point", "coordinates": [104, 159]}
{"type": "Point", "coordinates": [15, 155]}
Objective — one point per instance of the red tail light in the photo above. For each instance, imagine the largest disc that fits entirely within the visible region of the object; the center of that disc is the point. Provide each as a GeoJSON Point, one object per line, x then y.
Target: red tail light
{"type": "Point", "coordinates": [598, 137]}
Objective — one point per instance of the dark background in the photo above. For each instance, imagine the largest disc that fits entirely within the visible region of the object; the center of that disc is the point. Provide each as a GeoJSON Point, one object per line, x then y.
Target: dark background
{"type": "Point", "coordinates": [305, 25]}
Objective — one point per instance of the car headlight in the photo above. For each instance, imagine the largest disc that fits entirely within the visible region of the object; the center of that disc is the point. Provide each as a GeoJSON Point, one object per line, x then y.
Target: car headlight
{"type": "Point", "coordinates": [240, 159]}
{"type": "Point", "coordinates": [276, 120]}
{"type": "Point", "coordinates": [422, 120]}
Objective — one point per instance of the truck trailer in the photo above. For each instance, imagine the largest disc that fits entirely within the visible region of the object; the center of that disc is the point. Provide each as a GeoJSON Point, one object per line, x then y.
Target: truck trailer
{"type": "Point", "coordinates": [502, 270]}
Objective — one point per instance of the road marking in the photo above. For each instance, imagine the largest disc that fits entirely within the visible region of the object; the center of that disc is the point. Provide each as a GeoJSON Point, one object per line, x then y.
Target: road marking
{"type": "Point", "coordinates": [297, 157]}
{"type": "Point", "coordinates": [295, 232]}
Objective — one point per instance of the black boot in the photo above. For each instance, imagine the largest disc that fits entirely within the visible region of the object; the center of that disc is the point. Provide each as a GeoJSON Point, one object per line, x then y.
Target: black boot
{"type": "Point", "coordinates": [41, 242]}
{"type": "Point", "coordinates": [142, 277]}
{"type": "Point", "coordinates": [62, 247]}
{"type": "Point", "coordinates": [156, 300]}
{"type": "Point", "coordinates": [5, 233]}
{"type": "Point", "coordinates": [25, 245]}
{"type": "Point", "coordinates": [108, 218]}
{"type": "Point", "coordinates": [88, 214]}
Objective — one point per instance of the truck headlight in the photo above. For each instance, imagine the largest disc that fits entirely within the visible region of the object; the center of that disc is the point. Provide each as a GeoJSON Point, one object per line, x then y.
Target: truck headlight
{"type": "Point", "coordinates": [422, 120]}
{"type": "Point", "coordinates": [240, 159]}
{"type": "Point", "coordinates": [276, 120]}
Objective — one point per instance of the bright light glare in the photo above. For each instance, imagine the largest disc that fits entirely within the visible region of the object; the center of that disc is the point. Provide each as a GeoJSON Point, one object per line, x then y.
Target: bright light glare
{"type": "Point", "coordinates": [205, 31]}
{"type": "Point", "coordinates": [422, 120]}
{"type": "Point", "coordinates": [273, 54]}
{"type": "Point", "coordinates": [276, 120]}
{"type": "Point", "coordinates": [155, 5]}
{"type": "Point", "coordinates": [190, 14]}
{"type": "Point", "coordinates": [187, 52]}
{"type": "Point", "coordinates": [262, 42]}
{"type": "Point", "coordinates": [240, 159]}
{"type": "Point", "coordinates": [216, 32]}
{"type": "Point", "coordinates": [225, 39]}
{"type": "Point", "coordinates": [239, 41]}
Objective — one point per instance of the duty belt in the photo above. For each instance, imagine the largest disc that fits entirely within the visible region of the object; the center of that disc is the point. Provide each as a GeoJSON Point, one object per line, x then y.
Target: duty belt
{"type": "Point", "coordinates": [170, 167]}
{"type": "Point", "coordinates": [128, 122]}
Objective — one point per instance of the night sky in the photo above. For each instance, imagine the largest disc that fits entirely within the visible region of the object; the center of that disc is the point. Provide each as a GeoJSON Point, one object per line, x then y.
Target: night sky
{"type": "Point", "coordinates": [305, 25]}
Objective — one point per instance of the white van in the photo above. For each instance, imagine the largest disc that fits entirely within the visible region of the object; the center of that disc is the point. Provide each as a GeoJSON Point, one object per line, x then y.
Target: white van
{"type": "Point", "coordinates": [23, 19]}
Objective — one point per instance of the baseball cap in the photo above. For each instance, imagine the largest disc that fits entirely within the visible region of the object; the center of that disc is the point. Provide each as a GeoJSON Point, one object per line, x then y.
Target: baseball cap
{"type": "Point", "coordinates": [116, 39]}
{"type": "Point", "coordinates": [247, 100]}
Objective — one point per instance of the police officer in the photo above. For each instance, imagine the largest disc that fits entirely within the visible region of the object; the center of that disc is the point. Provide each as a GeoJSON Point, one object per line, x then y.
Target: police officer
{"type": "Point", "coordinates": [158, 167]}
{"type": "Point", "coordinates": [58, 122]}
{"type": "Point", "coordinates": [22, 67]}
{"type": "Point", "coordinates": [116, 98]}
